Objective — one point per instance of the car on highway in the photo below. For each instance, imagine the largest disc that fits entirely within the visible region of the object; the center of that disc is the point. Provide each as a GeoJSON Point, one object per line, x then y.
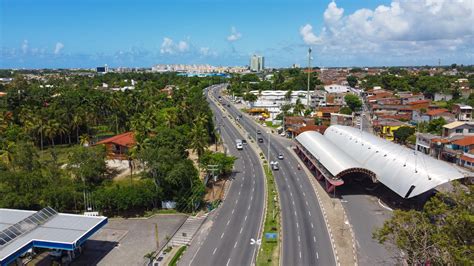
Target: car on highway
{"type": "Point", "coordinates": [259, 132]}
{"type": "Point", "coordinates": [274, 165]}
{"type": "Point", "coordinates": [228, 105]}
{"type": "Point", "coordinates": [244, 142]}
{"type": "Point", "coordinates": [238, 144]}
{"type": "Point", "coordinates": [280, 156]}
{"type": "Point", "coordinates": [260, 139]}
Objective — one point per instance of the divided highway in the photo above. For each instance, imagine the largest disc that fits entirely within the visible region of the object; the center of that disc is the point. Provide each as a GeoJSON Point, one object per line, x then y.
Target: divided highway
{"type": "Point", "coordinates": [305, 236]}
{"type": "Point", "coordinates": [240, 217]}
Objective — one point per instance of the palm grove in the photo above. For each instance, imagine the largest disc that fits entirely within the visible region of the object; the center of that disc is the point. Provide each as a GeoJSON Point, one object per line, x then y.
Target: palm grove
{"type": "Point", "coordinates": [42, 128]}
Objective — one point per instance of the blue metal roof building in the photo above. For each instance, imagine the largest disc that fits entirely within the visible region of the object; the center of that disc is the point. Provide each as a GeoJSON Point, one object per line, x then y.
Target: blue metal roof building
{"type": "Point", "coordinates": [22, 230]}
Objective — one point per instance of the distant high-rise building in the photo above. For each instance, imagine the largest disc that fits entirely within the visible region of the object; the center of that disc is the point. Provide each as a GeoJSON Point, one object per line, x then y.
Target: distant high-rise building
{"type": "Point", "coordinates": [257, 63]}
{"type": "Point", "coordinates": [102, 70]}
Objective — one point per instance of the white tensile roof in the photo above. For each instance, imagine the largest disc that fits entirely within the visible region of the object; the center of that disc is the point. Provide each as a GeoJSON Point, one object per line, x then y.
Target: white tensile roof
{"type": "Point", "coordinates": [407, 172]}
{"type": "Point", "coordinates": [332, 157]}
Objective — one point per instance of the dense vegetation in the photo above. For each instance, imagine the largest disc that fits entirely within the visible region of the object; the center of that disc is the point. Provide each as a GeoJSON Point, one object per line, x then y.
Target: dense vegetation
{"type": "Point", "coordinates": [42, 126]}
{"type": "Point", "coordinates": [441, 234]}
{"type": "Point", "coordinates": [286, 79]}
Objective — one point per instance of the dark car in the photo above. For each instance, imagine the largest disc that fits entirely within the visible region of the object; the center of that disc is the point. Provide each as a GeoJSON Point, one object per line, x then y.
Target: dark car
{"type": "Point", "coordinates": [259, 132]}
{"type": "Point", "coordinates": [260, 140]}
{"type": "Point", "coordinates": [244, 142]}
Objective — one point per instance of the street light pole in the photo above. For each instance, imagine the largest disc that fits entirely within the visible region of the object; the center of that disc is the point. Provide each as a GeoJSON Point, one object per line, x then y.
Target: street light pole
{"type": "Point", "coordinates": [309, 77]}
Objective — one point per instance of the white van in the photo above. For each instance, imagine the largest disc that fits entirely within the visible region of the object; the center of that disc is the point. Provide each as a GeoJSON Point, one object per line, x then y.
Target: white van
{"type": "Point", "coordinates": [238, 144]}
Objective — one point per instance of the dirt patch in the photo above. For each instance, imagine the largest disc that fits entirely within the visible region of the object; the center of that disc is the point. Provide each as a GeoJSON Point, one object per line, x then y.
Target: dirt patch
{"type": "Point", "coordinates": [216, 191]}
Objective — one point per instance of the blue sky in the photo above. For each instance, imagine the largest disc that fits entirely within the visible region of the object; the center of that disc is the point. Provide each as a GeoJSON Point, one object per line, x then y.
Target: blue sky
{"type": "Point", "coordinates": [52, 34]}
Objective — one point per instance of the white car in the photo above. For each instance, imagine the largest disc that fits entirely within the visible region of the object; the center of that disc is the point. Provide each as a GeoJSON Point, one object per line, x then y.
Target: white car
{"type": "Point", "coordinates": [280, 156]}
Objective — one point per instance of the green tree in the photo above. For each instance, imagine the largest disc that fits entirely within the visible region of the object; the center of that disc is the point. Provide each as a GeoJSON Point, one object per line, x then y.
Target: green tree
{"type": "Point", "coordinates": [353, 102]}
{"type": "Point", "coordinates": [403, 133]}
{"type": "Point", "coordinates": [435, 126]}
{"type": "Point", "coordinates": [441, 234]}
{"type": "Point", "coordinates": [352, 80]}
{"type": "Point", "coordinates": [87, 164]}
{"type": "Point", "coordinates": [250, 97]}
{"type": "Point", "coordinates": [345, 110]}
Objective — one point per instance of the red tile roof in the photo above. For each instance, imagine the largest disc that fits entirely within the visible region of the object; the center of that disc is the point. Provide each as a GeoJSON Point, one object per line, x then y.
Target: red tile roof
{"type": "Point", "coordinates": [437, 111]}
{"type": "Point", "coordinates": [466, 158]}
{"type": "Point", "coordinates": [466, 141]}
{"type": "Point", "coordinates": [420, 101]}
{"type": "Point", "coordinates": [126, 139]}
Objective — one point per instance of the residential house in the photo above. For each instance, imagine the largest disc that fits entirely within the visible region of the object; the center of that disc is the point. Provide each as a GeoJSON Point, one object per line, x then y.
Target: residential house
{"type": "Point", "coordinates": [424, 142]}
{"type": "Point", "coordinates": [440, 96]}
{"type": "Point", "coordinates": [463, 112]}
{"type": "Point", "coordinates": [437, 113]}
{"type": "Point", "coordinates": [118, 146]}
{"type": "Point", "coordinates": [324, 113]}
{"type": "Point", "coordinates": [342, 119]}
{"type": "Point", "coordinates": [336, 88]}
{"type": "Point", "coordinates": [458, 128]}
{"type": "Point", "coordinates": [386, 127]}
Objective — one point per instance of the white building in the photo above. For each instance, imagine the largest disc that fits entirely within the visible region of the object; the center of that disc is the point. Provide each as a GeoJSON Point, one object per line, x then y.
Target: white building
{"type": "Point", "coordinates": [274, 100]}
{"type": "Point", "coordinates": [257, 63]}
{"type": "Point", "coordinates": [336, 88]}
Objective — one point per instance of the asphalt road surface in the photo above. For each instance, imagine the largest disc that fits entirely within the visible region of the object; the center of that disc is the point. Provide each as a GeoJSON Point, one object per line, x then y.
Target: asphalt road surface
{"type": "Point", "coordinates": [239, 218]}
{"type": "Point", "coordinates": [305, 236]}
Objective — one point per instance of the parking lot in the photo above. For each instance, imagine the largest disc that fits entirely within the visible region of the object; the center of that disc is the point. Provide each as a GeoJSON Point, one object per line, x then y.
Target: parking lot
{"type": "Point", "coordinates": [126, 241]}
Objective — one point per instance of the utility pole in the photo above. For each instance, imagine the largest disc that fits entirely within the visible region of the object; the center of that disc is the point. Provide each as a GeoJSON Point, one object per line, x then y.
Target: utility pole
{"type": "Point", "coordinates": [309, 76]}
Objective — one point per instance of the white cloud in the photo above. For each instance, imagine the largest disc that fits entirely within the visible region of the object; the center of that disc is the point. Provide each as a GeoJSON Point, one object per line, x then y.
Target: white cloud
{"type": "Point", "coordinates": [308, 36]}
{"type": "Point", "coordinates": [59, 46]}
{"type": "Point", "coordinates": [405, 27]}
{"type": "Point", "coordinates": [234, 35]}
{"type": "Point", "coordinates": [24, 47]}
{"type": "Point", "coordinates": [183, 46]}
{"type": "Point", "coordinates": [168, 46]}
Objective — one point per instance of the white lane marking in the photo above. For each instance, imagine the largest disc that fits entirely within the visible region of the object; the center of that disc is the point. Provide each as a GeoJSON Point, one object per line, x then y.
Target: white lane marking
{"type": "Point", "coordinates": [295, 213]}
{"type": "Point", "coordinates": [314, 239]}
{"type": "Point", "coordinates": [214, 252]}
{"type": "Point", "coordinates": [241, 228]}
{"type": "Point", "coordinates": [248, 208]}
{"type": "Point", "coordinates": [312, 226]}
{"type": "Point", "coordinates": [235, 245]}
{"type": "Point", "coordinates": [300, 254]}
{"type": "Point", "coordinates": [242, 184]}
{"type": "Point", "coordinates": [222, 235]}
{"type": "Point", "coordinates": [228, 222]}
{"type": "Point", "coordinates": [245, 218]}
{"type": "Point", "coordinates": [299, 239]}
{"type": "Point", "coordinates": [233, 211]}
{"type": "Point", "coordinates": [297, 225]}
{"type": "Point", "coordinates": [239, 192]}
{"type": "Point", "coordinates": [292, 201]}
{"type": "Point", "coordinates": [304, 194]}
{"type": "Point", "coordinates": [317, 255]}
{"type": "Point", "coordinates": [306, 203]}
{"type": "Point", "coordinates": [228, 262]}
{"type": "Point", "coordinates": [309, 213]}
{"type": "Point", "coordinates": [251, 198]}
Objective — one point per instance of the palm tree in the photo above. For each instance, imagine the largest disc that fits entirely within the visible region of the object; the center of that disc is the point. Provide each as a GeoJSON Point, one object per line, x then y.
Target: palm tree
{"type": "Point", "coordinates": [299, 107]}
{"type": "Point", "coordinates": [171, 117]}
{"type": "Point", "coordinates": [51, 130]}
{"type": "Point", "coordinates": [76, 122]}
{"type": "Point", "coordinates": [199, 138]}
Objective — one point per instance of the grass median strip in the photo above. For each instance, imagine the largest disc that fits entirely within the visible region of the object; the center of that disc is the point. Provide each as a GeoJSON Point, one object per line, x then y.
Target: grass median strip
{"type": "Point", "coordinates": [269, 250]}
{"type": "Point", "coordinates": [177, 256]}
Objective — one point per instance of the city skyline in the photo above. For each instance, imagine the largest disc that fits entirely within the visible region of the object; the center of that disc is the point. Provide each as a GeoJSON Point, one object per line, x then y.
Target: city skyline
{"type": "Point", "coordinates": [54, 34]}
